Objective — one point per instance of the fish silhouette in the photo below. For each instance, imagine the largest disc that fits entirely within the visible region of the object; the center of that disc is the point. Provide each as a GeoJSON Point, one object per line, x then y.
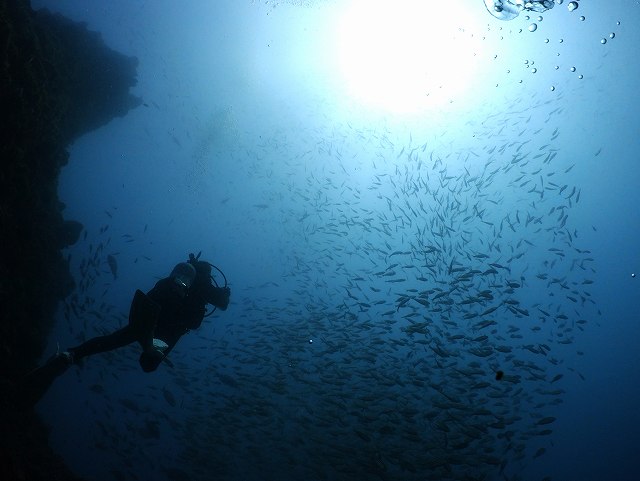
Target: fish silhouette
{"type": "Point", "coordinates": [113, 265]}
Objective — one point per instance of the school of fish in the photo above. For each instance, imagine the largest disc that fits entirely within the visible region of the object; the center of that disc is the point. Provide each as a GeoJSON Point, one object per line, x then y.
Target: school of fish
{"type": "Point", "coordinates": [408, 276]}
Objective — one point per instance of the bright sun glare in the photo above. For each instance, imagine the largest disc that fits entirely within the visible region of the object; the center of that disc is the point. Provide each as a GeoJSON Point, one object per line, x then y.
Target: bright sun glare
{"type": "Point", "coordinates": [406, 56]}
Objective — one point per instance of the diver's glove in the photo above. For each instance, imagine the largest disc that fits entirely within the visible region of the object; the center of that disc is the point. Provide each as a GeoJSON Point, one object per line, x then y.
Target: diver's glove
{"type": "Point", "coordinates": [219, 297]}
{"type": "Point", "coordinates": [160, 345]}
{"type": "Point", "coordinates": [153, 355]}
{"type": "Point", "coordinates": [150, 359]}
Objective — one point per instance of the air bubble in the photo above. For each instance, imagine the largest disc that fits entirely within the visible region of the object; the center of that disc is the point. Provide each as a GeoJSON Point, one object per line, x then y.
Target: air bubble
{"type": "Point", "coordinates": [582, 19]}
{"type": "Point", "coordinates": [603, 41]}
{"type": "Point", "coordinates": [612, 35]}
{"type": "Point", "coordinates": [533, 27]}
{"type": "Point", "coordinates": [552, 88]}
{"type": "Point", "coordinates": [573, 69]}
{"type": "Point", "coordinates": [571, 6]}
{"type": "Point", "coordinates": [534, 70]}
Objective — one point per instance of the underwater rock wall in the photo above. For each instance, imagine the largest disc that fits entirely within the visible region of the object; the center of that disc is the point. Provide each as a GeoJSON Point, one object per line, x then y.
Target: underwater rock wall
{"type": "Point", "coordinates": [57, 81]}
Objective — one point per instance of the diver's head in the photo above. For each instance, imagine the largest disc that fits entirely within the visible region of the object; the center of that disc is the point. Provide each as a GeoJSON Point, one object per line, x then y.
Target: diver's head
{"type": "Point", "coordinates": [183, 276]}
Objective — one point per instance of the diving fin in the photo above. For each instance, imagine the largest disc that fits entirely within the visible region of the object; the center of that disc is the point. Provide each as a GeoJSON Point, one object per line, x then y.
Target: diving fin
{"type": "Point", "coordinates": [37, 382]}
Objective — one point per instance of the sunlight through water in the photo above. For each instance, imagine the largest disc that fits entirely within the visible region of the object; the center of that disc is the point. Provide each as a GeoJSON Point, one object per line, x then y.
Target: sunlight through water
{"type": "Point", "coordinates": [406, 56]}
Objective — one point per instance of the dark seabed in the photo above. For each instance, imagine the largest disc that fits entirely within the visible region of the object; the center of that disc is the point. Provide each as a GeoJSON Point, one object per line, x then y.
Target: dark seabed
{"type": "Point", "coordinates": [428, 219]}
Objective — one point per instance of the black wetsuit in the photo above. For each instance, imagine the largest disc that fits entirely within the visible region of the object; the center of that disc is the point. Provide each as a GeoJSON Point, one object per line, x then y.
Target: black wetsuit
{"type": "Point", "coordinates": [164, 314]}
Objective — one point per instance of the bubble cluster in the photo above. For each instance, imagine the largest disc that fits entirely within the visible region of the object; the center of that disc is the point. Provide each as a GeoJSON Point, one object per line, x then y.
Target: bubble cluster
{"type": "Point", "coordinates": [510, 9]}
{"type": "Point", "coordinates": [528, 14]}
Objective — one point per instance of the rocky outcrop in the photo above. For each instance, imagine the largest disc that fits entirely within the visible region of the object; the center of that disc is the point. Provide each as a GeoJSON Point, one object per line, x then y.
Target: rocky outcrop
{"type": "Point", "coordinates": [57, 81]}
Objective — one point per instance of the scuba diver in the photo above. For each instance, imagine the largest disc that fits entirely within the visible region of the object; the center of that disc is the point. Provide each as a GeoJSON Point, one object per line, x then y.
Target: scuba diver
{"type": "Point", "coordinates": [157, 320]}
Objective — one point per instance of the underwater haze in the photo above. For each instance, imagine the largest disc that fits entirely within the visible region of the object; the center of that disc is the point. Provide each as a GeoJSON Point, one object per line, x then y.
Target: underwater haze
{"type": "Point", "coordinates": [428, 218]}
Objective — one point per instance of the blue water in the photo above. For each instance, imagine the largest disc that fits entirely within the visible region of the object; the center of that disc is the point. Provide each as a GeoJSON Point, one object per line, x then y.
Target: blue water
{"type": "Point", "coordinates": [521, 186]}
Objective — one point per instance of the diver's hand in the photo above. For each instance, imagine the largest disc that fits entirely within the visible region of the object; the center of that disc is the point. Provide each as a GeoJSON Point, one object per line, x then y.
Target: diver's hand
{"type": "Point", "coordinates": [220, 297]}
{"type": "Point", "coordinates": [150, 359]}
{"type": "Point", "coordinates": [160, 345]}
{"type": "Point", "coordinates": [226, 293]}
